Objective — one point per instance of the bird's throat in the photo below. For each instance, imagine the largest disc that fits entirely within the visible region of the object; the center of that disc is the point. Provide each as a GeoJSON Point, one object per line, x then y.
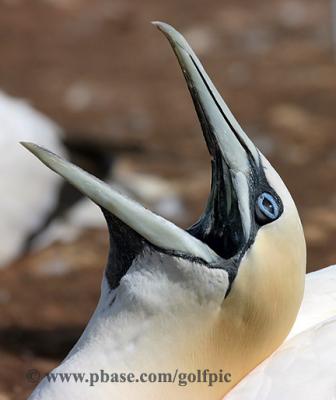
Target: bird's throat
{"type": "Point", "coordinates": [154, 324]}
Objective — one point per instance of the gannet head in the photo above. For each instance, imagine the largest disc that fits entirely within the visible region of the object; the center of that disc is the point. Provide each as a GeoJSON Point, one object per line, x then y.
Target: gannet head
{"type": "Point", "coordinates": [224, 293]}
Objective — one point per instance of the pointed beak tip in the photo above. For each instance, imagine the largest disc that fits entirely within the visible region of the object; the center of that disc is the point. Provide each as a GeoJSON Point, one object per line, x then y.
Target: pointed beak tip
{"type": "Point", "coordinates": [26, 144]}
{"type": "Point", "coordinates": [44, 155]}
{"type": "Point", "coordinates": [35, 149]}
{"type": "Point", "coordinates": [32, 147]}
{"type": "Point", "coordinates": [170, 32]}
{"type": "Point", "coordinates": [162, 26]}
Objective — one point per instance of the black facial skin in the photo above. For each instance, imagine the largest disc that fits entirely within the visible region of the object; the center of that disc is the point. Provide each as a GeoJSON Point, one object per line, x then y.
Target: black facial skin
{"type": "Point", "coordinates": [125, 246]}
{"type": "Point", "coordinates": [220, 225]}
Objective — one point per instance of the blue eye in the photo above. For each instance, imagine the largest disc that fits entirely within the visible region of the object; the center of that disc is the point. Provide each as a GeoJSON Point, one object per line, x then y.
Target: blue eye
{"type": "Point", "coordinates": [267, 208]}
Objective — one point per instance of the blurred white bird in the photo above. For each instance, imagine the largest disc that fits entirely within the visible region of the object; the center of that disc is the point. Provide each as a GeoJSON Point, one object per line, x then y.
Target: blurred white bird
{"type": "Point", "coordinates": [25, 201]}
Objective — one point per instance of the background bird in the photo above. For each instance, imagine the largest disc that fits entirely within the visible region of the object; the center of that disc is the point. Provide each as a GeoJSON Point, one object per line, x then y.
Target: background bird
{"type": "Point", "coordinates": [24, 203]}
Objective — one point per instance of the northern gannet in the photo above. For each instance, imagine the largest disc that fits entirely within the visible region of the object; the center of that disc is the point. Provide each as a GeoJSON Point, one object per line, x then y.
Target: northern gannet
{"type": "Point", "coordinates": [222, 295]}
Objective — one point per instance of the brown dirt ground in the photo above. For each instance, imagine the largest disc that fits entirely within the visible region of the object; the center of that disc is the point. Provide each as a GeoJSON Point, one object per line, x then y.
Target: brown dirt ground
{"type": "Point", "coordinates": [102, 71]}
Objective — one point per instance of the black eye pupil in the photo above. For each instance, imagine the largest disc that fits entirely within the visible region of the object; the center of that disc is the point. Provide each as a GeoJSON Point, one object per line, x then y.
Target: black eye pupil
{"type": "Point", "coordinates": [268, 205]}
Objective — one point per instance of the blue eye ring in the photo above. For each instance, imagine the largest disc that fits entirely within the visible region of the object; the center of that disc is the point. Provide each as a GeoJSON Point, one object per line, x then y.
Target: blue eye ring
{"type": "Point", "coordinates": [267, 208]}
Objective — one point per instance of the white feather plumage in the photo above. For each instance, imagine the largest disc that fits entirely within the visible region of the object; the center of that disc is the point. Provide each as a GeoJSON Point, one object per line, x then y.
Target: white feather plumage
{"type": "Point", "coordinates": [28, 192]}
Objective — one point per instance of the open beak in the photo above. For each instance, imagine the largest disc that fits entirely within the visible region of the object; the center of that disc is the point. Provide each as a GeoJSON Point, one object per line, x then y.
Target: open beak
{"type": "Point", "coordinates": [226, 223]}
{"type": "Point", "coordinates": [153, 228]}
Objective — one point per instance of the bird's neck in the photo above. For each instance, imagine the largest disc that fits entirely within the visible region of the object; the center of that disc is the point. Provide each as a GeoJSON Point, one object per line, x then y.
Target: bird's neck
{"type": "Point", "coordinates": [152, 323]}
{"type": "Point", "coordinates": [160, 304]}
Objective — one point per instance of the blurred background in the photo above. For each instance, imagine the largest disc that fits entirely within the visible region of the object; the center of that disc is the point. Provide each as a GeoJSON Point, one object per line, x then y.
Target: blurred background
{"type": "Point", "coordinates": [102, 86]}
